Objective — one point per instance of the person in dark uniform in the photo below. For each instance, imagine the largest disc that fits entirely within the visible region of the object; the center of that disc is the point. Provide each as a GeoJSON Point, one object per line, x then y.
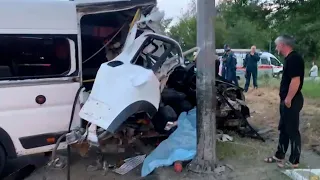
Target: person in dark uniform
{"type": "Point", "coordinates": [224, 62]}
{"type": "Point", "coordinates": [217, 65]}
{"type": "Point", "coordinates": [290, 105]}
{"type": "Point", "coordinates": [231, 66]}
{"type": "Point", "coordinates": [251, 65]}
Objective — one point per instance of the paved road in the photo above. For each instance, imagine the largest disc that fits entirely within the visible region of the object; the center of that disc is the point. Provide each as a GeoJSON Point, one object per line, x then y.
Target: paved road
{"type": "Point", "coordinates": [17, 164]}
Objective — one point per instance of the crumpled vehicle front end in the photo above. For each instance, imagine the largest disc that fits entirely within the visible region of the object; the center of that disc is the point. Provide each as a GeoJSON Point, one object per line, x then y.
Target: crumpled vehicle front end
{"type": "Point", "coordinates": [120, 92]}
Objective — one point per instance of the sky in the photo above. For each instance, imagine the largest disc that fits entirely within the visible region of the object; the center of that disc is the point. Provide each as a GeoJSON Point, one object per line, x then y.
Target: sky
{"type": "Point", "coordinates": [174, 8]}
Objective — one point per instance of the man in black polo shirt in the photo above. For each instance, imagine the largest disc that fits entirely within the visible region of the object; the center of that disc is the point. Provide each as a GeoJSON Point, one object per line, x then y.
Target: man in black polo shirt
{"type": "Point", "coordinates": [291, 103]}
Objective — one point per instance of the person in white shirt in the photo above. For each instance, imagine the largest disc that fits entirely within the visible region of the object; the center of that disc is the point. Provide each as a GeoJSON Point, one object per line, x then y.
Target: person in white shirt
{"type": "Point", "coordinates": [314, 71]}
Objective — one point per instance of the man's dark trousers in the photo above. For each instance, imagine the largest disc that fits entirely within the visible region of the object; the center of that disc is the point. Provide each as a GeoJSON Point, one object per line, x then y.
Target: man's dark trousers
{"type": "Point", "coordinates": [224, 71]}
{"type": "Point", "coordinates": [232, 75]}
{"type": "Point", "coordinates": [289, 129]}
{"type": "Point", "coordinates": [254, 73]}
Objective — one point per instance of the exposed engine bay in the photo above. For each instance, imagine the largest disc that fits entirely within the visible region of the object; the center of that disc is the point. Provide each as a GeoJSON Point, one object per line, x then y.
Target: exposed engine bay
{"type": "Point", "coordinates": [141, 92]}
{"type": "Point", "coordinates": [184, 80]}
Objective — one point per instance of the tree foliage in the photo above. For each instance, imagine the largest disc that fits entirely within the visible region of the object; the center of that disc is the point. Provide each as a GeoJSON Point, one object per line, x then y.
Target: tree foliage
{"type": "Point", "coordinates": [242, 23]}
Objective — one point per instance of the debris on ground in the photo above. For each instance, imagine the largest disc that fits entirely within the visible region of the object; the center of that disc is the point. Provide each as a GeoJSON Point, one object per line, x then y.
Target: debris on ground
{"type": "Point", "coordinates": [59, 163]}
{"type": "Point", "coordinates": [224, 138]}
{"type": "Point", "coordinates": [303, 174]}
{"type": "Point", "coordinates": [178, 166]}
{"type": "Point", "coordinates": [95, 166]}
{"type": "Point", "coordinates": [130, 164]}
{"type": "Point", "coordinates": [264, 131]}
{"type": "Point", "coordinates": [316, 149]}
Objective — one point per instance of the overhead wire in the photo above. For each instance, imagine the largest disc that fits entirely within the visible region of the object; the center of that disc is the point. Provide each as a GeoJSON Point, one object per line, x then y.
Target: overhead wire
{"type": "Point", "coordinates": [135, 18]}
{"type": "Point", "coordinates": [105, 44]}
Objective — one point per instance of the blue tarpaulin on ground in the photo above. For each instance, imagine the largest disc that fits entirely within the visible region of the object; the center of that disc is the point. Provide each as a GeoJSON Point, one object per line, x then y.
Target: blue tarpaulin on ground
{"type": "Point", "coordinates": [180, 146]}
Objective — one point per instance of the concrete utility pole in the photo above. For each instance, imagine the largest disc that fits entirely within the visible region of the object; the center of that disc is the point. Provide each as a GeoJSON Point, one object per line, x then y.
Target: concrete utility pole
{"type": "Point", "coordinates": [205, 160]}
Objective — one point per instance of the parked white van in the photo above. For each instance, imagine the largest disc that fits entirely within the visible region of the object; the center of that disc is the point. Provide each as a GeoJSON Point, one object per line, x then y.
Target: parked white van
{"type": "Point", "coordinates": [48, 49]}
{"type": "Point", "coordinates": [268, 65]}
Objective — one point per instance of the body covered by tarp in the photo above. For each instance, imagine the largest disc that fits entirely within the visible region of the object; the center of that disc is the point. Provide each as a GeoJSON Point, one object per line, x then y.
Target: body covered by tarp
{"type": "Point", "coordinates": [180, 146]}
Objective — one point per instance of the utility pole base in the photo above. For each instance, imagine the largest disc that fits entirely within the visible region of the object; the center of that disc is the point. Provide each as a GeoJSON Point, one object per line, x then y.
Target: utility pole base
{"type": "Point", "coordinates": [201, 167]}
{"type": "Point", "coordinates": [204, 168]}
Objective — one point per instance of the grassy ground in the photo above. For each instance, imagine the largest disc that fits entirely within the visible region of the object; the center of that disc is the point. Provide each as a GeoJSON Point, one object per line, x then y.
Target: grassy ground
{"type": "Point", "coordinates": [264, 103]}
{"type": "Point", "coordinates": [311, 89]}
{"type": "Point", "coordinates": [310, 112]}
{"type": "Point", "coordinates": [246, 157]}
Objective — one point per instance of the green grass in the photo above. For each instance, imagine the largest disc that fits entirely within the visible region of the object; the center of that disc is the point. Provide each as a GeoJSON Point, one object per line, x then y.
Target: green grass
{"type": "Point", "coordinates": [263, 81]}
{"type": "Point", "coordinates": [236, 151]}
{"type": "Point", "coordinates": [311, 89]}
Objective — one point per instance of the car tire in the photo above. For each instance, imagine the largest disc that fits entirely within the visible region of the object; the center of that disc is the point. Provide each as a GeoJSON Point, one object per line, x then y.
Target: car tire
{"type": "Point", "coordinates": [278, 75]}
{"type": "Point", "coordinates": [3, 159]}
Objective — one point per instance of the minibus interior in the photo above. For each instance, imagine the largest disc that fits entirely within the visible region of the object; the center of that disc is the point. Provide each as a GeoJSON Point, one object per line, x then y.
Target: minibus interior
{"type": "Point", "coordinates": [102, 37]}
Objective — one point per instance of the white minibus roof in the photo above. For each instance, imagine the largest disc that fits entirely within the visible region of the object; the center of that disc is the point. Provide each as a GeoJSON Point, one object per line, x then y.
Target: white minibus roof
{"type": "Point", "coordinates": [45, 16]}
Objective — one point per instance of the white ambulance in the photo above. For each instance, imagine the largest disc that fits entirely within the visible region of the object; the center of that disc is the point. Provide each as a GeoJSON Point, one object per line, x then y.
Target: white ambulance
{"type": "Point", "coordinates": [269, 65]}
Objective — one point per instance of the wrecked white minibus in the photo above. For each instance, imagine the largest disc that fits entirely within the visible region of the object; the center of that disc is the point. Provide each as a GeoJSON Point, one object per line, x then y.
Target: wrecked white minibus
{"type": "Point", "coordinates": [49, 49]}
{"type": "Point", "coordinates": [95, 73]}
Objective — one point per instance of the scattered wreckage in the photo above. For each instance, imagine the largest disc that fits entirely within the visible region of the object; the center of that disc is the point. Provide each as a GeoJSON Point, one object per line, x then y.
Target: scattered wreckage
{"type": "Point", "coordinates": [143, 90]}
{"type": "Point", "coordinates": [134, 80]}
{"type": "Point", "coordinates": [174, 95]}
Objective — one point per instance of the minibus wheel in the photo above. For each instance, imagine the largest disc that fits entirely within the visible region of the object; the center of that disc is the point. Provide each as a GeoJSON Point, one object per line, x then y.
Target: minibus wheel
{"type": "Point", "coordinates": [3, 159]}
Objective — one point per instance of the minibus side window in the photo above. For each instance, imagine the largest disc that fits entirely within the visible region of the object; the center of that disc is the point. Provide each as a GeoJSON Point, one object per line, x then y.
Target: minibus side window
{"type": "Point", "coordinates": [28, 58]}
{"type": "Point", "coordinates": [265, 61]}
{"type": "Point", "coordinates": [275, 62]}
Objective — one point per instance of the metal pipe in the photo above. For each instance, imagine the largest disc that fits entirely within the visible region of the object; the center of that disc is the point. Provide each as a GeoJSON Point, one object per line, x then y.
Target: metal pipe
{"type": "Point", "coordinates": [54, 151]}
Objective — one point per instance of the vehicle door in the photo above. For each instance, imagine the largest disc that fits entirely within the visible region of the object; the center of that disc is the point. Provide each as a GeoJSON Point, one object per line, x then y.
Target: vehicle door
{"type": "Point", "coordinates": [264, 67]}
{"type": "Point", "coordinates": [276, 65]}
{"type": "Point", "coordinates": [38, 77]}
{"type": "Point", "coordinates": [240, 69]}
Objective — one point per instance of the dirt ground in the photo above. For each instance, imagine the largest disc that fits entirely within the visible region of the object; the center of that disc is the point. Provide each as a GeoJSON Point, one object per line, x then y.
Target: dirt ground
{"type": "Point", "coordinates": [264, 106]}
{"type": "Point", "coordinates": [244, 156]}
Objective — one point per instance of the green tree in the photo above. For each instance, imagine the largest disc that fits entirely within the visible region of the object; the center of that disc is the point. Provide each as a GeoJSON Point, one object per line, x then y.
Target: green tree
{"type": "Point", "coordinates": [245, 33]}
{"type": "Point", "coordinates": [242, 23]}
{"type": "Point", "coordinates": [185, 32]}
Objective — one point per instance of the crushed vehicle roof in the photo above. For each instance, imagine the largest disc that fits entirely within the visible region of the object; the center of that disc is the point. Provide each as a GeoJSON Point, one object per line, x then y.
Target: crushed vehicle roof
{"type": "Point", "coordinates": [49, 16]}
